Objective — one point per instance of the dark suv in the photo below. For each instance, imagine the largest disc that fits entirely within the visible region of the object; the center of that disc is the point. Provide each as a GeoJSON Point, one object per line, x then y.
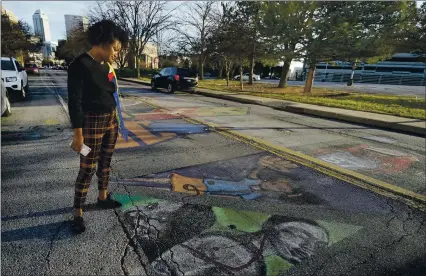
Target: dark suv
{"type": "Point", "coordinates": [174, 78]}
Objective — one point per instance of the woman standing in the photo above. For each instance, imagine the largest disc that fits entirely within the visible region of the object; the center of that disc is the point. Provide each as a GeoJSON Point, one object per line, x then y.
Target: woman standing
{"type": "Point", "coordinates": [92, 109]}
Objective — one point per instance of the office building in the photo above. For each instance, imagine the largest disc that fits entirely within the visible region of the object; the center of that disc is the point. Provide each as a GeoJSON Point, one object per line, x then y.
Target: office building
{"type": "Point", "coordinates": [73, 22]}
{"type": "Point", "coordinates": [41, 25]}
{"type": "Point", "coordinates": [48, 49]}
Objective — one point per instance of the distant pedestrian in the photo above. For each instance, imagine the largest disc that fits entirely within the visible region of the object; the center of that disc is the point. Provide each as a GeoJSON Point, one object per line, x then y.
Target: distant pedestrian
{"type": "Point", "coordinates": [92, 109]}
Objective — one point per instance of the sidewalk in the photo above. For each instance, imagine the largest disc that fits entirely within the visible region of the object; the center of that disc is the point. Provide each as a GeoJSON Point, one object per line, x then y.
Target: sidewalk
{"type": "Point", "coordinates": [408, 125]}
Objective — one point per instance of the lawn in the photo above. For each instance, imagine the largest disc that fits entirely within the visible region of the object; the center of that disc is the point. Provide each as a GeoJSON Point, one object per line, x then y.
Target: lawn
{"type": "Point", "coordinates": [145, 79]}
{"type": "Point", "coordinates": [404, 106]}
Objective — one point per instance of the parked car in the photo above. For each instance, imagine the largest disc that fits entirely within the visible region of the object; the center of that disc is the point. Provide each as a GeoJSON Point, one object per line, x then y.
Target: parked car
{"type": "Point", "coordinates": [32, 69]}
{"type": "Point", "coordinates": [5, 103]}
{"type": "Point", "coordinates": [247, 76]}
{"type": "Point", "coordinates": [15, 78]}
{"type": "Point", "coordinates": [174, 78]}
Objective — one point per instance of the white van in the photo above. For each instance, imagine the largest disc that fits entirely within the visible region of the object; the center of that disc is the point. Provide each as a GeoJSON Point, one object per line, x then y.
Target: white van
{"type": "Point", "coordinates": [14, 77]}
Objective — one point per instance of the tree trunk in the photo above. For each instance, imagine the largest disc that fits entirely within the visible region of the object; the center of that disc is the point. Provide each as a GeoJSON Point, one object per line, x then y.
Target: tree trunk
{"type": "Point", "coordinates": [241, 78]}
{"type": "Point", "coordinates": [132, 61]}
{"type": "Point", "coordinates": [220, 71]}
{"type": "Point", "coordinates": [200, 68]}
{"type": "Point", "coordinates": [234, 68]}
{"type": "Point", "coordinates": [284, 73]}
{"type": "Point", "coordinates": [138, 67]}
{"type": "Point", "coordinates": [228, 67]}
{"type": "Point", "coordinates": [310, 78]}
{"type": "Point", "coordinates": [351, 80]}
{"type": "Point", "coordinates": [251, 70]}
{"type": "Point", "coordinates": [227, 78]}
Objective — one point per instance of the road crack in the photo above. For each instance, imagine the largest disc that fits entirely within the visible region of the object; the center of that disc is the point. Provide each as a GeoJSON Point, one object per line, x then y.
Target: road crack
{"type": "Point", "coordinates": [131, 243]}
{"type": "Point", "coordinates": [47, 259]}
{"type": "Point", "coordinates": [150, 226]}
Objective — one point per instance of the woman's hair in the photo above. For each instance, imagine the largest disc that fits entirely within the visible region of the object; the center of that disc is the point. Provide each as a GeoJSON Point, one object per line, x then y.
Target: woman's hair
{"type": "Point", "coordinates": [105, 32]}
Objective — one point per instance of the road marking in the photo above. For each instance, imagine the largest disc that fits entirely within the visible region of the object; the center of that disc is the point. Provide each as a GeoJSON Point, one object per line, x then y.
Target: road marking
{"type": "Point", "coordinates": [408, 197]}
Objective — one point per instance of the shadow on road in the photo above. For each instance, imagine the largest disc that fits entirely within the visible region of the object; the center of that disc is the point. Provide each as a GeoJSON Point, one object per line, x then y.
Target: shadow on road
{"type": "Point", "coordinates": [61, 211]}
{"type": "Point", "coordinates": [40, 232]}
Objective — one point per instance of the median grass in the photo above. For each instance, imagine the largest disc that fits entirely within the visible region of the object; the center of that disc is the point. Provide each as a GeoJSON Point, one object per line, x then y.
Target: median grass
{"type": "Point", "coordinates": [403, 106]}
{"type": "Point", "coordinates": [146, 79]}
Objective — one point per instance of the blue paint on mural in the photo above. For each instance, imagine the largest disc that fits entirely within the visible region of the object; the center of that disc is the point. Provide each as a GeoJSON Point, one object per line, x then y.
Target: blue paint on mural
{"type": "Point", "coordinates": [178, 128]}
{"type": "Point", "coordinates": [242, 188]}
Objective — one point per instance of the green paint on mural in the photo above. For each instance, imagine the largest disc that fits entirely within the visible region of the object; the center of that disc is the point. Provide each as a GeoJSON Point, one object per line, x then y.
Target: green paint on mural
{"type": "Point", "coordinates": [245, 221]}
{"type": "Point", "coordinates": [338, 231]}
{"type": "Point", "coordinates": [130, 201]}
{"type": "Point", "coordinates": [275, 265]}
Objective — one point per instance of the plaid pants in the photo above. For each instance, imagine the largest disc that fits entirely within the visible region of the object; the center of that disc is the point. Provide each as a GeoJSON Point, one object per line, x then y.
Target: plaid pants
{"type": "Point", "coordinates": [100, 133]}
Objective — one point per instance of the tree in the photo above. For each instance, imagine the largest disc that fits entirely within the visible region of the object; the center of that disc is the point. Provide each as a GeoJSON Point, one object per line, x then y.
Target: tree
{"type": "Point", "coordinates": [221, 40]}
{"type": "Point", "coordinates": [285, 25]}
{"type": "Point", "coordinates": [16, 37]}
{"type": "Point", "coordinates": [411, 35]}
{"type": "Point", "coordinates": [419, 41]}
{"type": "Point", "coordinates": [76, 44]}
{"type": "Point", "coordinates": [354, 32]}
{"type": "Point", "coordinates": [229, 40]}
{"type": "Point", "coordinates": [252, 14]}
{"type": "Point", "coordinates": [142, 20]}
{"type": "Point", "coordinates": [198, 24]}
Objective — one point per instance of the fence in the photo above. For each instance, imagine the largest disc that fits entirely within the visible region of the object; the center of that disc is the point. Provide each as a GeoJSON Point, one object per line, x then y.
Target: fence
{"type": "Point", "coordinates": [409, 79]}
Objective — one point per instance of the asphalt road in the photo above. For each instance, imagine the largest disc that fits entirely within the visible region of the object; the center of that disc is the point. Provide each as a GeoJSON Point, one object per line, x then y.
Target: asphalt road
{"type": "Point", "coordinates": [200, 203]}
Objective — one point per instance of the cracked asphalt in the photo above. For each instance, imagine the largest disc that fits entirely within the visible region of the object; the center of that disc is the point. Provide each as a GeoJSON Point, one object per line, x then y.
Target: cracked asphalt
{"type": "Point", "coordinates": [174, 220]}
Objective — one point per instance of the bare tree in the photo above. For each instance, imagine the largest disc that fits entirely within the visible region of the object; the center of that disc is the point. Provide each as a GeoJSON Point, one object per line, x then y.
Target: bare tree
{"type": "Point", "coordinates": [229, 40]}
{"type": "Point", "coordinates": [142, 20]}
{"type": "Point", "coordinates": [199, 25]}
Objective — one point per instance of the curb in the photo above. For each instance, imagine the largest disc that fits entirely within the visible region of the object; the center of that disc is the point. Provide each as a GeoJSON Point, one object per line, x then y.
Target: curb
{"type": "Point", "coordinates": [319, 113]}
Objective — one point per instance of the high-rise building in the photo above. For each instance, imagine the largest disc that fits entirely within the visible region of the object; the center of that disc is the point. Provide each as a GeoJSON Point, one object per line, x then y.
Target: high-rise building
{"type": "Point", "coordinates": [41, 25]}
{"type": "Point", "coordinates": [73, 22]}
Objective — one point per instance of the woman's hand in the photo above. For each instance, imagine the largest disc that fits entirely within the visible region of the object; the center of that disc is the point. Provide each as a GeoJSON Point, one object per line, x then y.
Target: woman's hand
{"type": "Point", "coordinates": [77, 142]}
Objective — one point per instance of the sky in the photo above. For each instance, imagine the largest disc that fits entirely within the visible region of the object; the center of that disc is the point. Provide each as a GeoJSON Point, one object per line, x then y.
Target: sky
{"type": "Point", "coordinates": [55, 10]}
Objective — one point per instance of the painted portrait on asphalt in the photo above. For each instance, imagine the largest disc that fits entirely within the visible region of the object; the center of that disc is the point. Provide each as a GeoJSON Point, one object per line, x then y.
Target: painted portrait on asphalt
{"type": "Point", "coordinates": [184, 239]}
{"type": "Point", "coordinates": [188, 239]}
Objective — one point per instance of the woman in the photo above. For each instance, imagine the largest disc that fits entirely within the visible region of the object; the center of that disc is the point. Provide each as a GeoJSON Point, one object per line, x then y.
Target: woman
{"type": "Point", "coordinates": [92, 110]}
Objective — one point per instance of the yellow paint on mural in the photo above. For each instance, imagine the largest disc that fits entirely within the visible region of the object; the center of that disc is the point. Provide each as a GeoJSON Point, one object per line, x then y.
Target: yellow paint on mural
{"type": "Point", "coordinates": [221, 111]}
{"type": "Point", "coordinates": [147, 137]}
{"type": "Point", "coordinates": [123, 144]}
{"type": "Point", "coordinates": [144, 135]}
{"type": "Point", "coordinates": [183, 184]}
{"type": "Point", "coordinates": [51, 122]}
{"type": "Point", "coordinates": [126, 116]}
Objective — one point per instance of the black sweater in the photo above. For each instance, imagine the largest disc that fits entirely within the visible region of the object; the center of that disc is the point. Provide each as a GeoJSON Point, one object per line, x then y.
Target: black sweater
{"type": "Point", "coordinates": [90, 89]}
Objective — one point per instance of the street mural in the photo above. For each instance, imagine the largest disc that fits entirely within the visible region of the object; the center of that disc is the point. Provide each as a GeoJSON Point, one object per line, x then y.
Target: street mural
{"type": "Point", "coordinates": [367, 157]}
{"type": "Point", "coordinates": [262, 177]}
{"type": "Point", "coordinates": [188, 239]}
{"type": "Point", "coordinates": [257, 176]}
{"type": "Point", "coordinates": [149, 126]}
